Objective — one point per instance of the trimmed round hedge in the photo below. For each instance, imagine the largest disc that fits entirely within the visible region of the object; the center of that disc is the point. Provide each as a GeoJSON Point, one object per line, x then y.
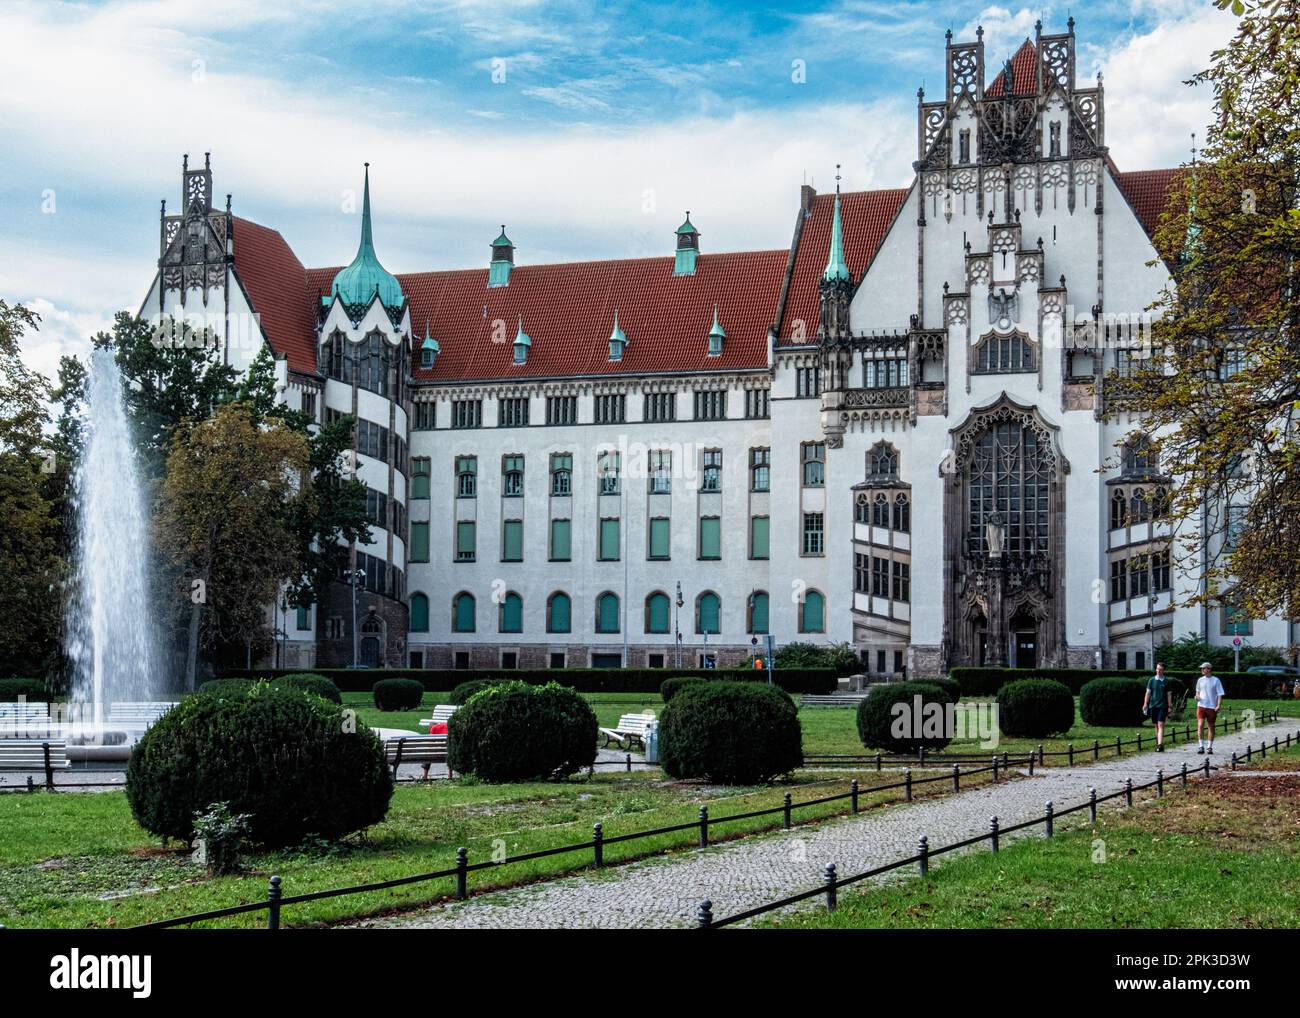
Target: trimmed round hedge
{"type": "Point", "coordinates": [1112, 702]}
{"type": "Point", "coordinates": [514, 731]}
{"type": "Point", "coordinates": [671, 687]}
{"type": "Point", "coordinates": [227, 687]}
{"type": "Point", "coordinates": [461, 694]}
{"type": "Point", "coordinates": [887, 717]}
{"type": "Point", "coordinates": [309, 682]}
{"type": "Point", "coordinates": [951, 687]}
{"type": "Point", "coordinates": [1034, 708]}
{"type": "Point", "coordinates": [294, 763]}
{"type": "Point", "coordinates": [398, 694]}
{"type": "Point", "coordinates": [733, 733]}
{"type": "Point", "coordinates": [12, 690]}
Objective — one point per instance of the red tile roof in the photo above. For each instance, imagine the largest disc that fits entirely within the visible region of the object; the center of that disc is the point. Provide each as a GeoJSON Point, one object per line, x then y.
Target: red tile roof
{"type": "Point", "coordinates": [865, 218]}
{"type": "Point", "coordinates": [1025, 66]}
{"type": "Point", "coordinates": [1148, 192]}
{"type": "Point", "coordinates": [277, 286]}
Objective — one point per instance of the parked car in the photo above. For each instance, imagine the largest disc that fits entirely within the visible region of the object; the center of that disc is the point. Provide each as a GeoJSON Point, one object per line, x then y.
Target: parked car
{"type": "Point", "coordinates": [1288, 678]}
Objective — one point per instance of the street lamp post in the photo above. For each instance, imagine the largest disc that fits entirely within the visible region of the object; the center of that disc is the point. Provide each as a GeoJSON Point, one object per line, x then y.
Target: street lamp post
{"type": "Point", "coordinates": [355, 578]}
{"type": "Point", "coordinates": [284, 629]}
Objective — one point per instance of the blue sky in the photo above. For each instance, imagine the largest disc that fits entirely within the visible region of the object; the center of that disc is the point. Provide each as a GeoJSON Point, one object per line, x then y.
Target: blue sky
{"type": "Point", "coordinates": [586, 127]}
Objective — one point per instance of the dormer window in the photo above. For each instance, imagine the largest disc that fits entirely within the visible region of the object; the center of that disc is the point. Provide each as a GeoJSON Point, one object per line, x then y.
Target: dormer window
{"type": "Point", "coordinates": [522, 343]}
{"type": "Point", "coordinates": [717, 335]}
{"type": "Point", "coordinates": [617, 340]}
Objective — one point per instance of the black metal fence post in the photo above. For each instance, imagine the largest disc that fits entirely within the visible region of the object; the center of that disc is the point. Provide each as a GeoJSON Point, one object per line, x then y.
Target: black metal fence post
{"type": "Point", "coordinates": [993, 832]}
{"type": "Point", "coordinates": [956, 778]}
{"type": "Point", "coordinates": [273, 904]}
{"type": "Point", "coordinates": [1139, 742]}
{"type": "Point", "coordinates": [1042, 759]}
{"type": "Point", "coordinates": [1096, 749]}
{"type": "Point", "coordinates": [1207, 766]}
{"type": "Point", "coordinates": [1234, 761]}
{"type": "Point", "coordinates": [879, 760]}
{"type": "Point", "coordinates": [598, 844]}
{"type": "Point", "coordinates": [629, 763]}
{"type": "Point", "coordinates": [462, 873]}
{"type": "Point", "coordinates": [830, 887]}
{"type": "Point", "coordinates": [853, 794]}
{"type": "Point", "coordinates": [1128, 791]}
{"type": "Point", "coordinates": [907, 783]}
{"type": "Point", "coordinates": [1069, 753]}
{"type": "Point", "coordinates": [995, 768]}
{"type": "Point", "coordinates": [1031, 764]}
{"type": "Point", "coordinates": [704, 827]}
{"type": "Point", "coordinates": [1119, 746]}
{"type": "Point", "coordinates": [49, 768]}
{"type": "Point", "coordinates": [920, 756]}
{"type": "Point", "coordinates": [785, 810]}
{"type": "Point", "coordinates": [924, 861]}
{"type": "Point", "coordinates": [1049, 818]}
{"type": "Point", "coordinates": [704, 915]}
{"type": "Point", "coordinates": [1160, 783]}
{"type": "Point", "coordinates": [1248, 752]}
{"type": "Point", "coordinates": [1092, 805]}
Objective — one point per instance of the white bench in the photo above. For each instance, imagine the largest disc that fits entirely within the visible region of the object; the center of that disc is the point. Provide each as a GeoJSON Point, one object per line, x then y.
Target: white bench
{"type": "Point", "coordinates": [441, 714]}
{"type": "Point", "coordinates": [138, 712]}
{"type": "Point", "coordinates": [34, 755]}
{"type": "Point", "coordinates": [421, 749]}
{"type": "Point", "coordinates": [24, 710]}
{"type": "Point", "coordinates": [631, 729]}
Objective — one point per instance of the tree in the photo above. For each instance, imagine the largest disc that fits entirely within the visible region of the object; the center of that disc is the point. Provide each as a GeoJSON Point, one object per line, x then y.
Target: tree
{"type": "Point", "coordinates": [231, 488]}
{"type": "Point", "coordinates": [29, 561]}
{"type": "Point", "coordinates": [1221, 388]}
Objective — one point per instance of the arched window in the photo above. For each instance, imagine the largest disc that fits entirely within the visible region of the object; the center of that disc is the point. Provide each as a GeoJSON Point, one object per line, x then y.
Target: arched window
{"type": "Point", "coordinates": [1004, 355]}
{"type": "Point", "coordinates": [607, 613]}
{"type": "Point", "coordinates": [462, 613]}
{"type": "Point", "coordinates": [708, 610]}
{"type": "Point", "coordinates": [1009, 473]}
{"type": "Point", "coordinates": [882, 462]}
{"type": "Point", "coordinates": [1141, 456]}
{"type": "Point", "coordinates": [880, 511]}
{"type": "Point", "coordinates": [758, 612]}
{"type": "Point", "coordinates": [419, 613]}
{"type": "Point", "coordinates": [1159, 504]}
{"type": "Point", "coordinates": [559, 612]}
{"type": "Point", "coordinates": [1118, 510]}
{"type": "Point", "coordinates": [902, 514]}
{"type": "Point", "coordinates": [658, 610]}
{"type": "Point", "coordinates": [1140, 508]}
{"type": "Point", "coordinates": [510, 615]}
{"type": "Point", "coordinates": [812, 613]}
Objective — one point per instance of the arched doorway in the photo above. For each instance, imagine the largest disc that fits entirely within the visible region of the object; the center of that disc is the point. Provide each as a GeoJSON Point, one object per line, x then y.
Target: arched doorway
{"type": "Point", "coordinates": [371, 645]}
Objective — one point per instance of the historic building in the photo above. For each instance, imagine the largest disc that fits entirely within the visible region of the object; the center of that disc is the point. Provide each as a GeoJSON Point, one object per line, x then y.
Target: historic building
{"type": "Point", "coordinates": [888, 433]}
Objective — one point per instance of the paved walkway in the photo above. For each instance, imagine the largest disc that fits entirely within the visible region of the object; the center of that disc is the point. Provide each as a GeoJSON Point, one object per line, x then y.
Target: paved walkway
{"type": "Point", "coordinates": [665, 892]}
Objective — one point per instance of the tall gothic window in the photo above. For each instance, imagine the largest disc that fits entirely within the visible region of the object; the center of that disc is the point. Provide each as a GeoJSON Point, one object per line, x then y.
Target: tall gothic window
{"type": "Point", "coordinates": [1009, 472]}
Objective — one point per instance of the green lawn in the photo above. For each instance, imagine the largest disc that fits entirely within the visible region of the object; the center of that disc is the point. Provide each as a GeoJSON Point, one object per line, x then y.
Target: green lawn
{"type": "Point", "coordinates": [1221, 854]}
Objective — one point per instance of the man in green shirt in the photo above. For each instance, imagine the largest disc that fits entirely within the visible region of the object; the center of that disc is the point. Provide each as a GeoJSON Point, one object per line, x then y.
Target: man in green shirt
{"type": "Point", "coordinates": [1158, 703]}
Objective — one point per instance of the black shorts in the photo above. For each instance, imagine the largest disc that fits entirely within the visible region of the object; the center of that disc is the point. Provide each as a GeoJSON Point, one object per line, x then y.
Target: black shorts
{"type": "Point", "coordinates": [1159, 714]}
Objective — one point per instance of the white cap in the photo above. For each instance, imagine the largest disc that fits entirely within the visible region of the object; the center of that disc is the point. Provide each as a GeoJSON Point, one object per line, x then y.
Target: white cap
{"type": "Point", "coordinates": [1206, 664]}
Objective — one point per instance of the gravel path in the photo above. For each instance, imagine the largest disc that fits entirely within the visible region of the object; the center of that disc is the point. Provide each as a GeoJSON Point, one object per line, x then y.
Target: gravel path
{"type": "Point", "coordinates": [666, 892]}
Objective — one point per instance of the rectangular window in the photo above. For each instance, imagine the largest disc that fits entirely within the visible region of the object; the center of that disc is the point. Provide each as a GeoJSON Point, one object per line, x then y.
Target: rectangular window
{"type": "Point", "coordinates": [861, 573]}
{"type": "Point", "coordinates": [611, 408]}
{"type": "Point", "coordinates": [711, 478]}
{"type": "Point", "coordinates": [902, 582]}
{"type": "Point", "coordinates": [608, 466]}
{"type": "Point", "coordinates": [808, 382]}
{"type": "Point", "coordinates": [560, 544]}
{"type": "Point", "coordinates": [813, 455]}
{"type": "Point", "coordinates": [372, 440]}
{"type": "Point", "coordinates": [512, 541]}
{"type": "Point", "coordinates": [561, 410]}
{"type": "Point", "coordinates": [466, 476]}
{"type": "Point", "coordinates": [758, 404]}
{"type": "Point", "coordinates": [465, 541]}
{"type": "Point", "coordinates": [419, 542]}
{"type": "Point", "coordinates": [1234, 524]}
{"type": "Point", "coordinates": [557, 659]}
{"type": "Point", "coordinates": [1139, 576]}
{"type": "Point", "coordinates": [309, 405]}
{"type": "Point", "coordinates": [420, 471]}
{"type": "Point", "coordinates": [609, 539]}
{"type": "Point", "coordinates": [659, 471]}
{"type": "Point", "coordinates": [304, 618]}
{"type": "Point", "coordinates": [759, 537]}
{"type": "Point", "coordinates": [466, 413]}
{"type": "Point", "coordinates": [426, 417]}
{"type": "Point", "coordinates": [879, 576]}
{"type": "Point", "coordinates": [1121, 660]}
{"type": "Point", "coordinates": [660, 538]}
{"type": "Point", "coordinates": [711, 405]}
{"type": "Point", "coordinates": [512, 476]}
{"type": "Point", "coordinates": [710, 537]}
{"type": "Point", "coordinates": [1119, 580]}
{"type": "Point", "coordinates": [1235, 620]}
{"type": "Point", "coordinates": [760, 469]}
{"type": "Point", "coordinates": [512, 412]}
{"type": "Point", "coordinates": [884, 372]}
{"type": "Point", "coordinates": [377, 507]}
{"type": "Point", "coordinates": [813, 537]}
{"type": "Point", "coordinates": [335, 627]}
{"type": "Point", "coordinates": [562, 473]}
{"type": "Point", "coordinates": [1160, 571]}
{"type": "Point", "coordinates": [660, 406]}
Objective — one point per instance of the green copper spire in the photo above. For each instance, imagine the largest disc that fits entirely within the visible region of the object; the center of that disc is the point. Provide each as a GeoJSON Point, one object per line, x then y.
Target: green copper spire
{"type": "Point", "coordinates": [522, 343]}
{"type": "Point", "coordinates": [429, 349]}
{"type": "Point", "coordinates": [359, 281]}
{"type": "Point", "coordinates": [503, 260]}
{"type": "Point", "coordinates": [716, 335]}
{"type": "Point", "coordinates": [1192, 238]}
{"type": "Point", "coordinates": [617, 340]}
{"type": "Point", "coordinates": [688, 248]}
{"type": "Point", "coordinates": [837, 268]}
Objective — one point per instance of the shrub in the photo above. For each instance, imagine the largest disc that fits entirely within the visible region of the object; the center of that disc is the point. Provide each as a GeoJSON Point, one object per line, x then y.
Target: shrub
{"type": "Point", "coordinates": [288, 761]}
{"type": "Point", "coordinates": [882, 726]}
{"type": "Point", "coordinates": [735, 733]}
{"type": "Point", "coordinates": [838, 656]}
{"type": "Point", "coordinates": [462, 693]}
{"type": "Point", "coordinates": [514, 731]}
{"type": "Point", "coordinates": [227, 687]}
{"type": "Point", "coordinates": [671, 687]}
{"type": "Point", "coordinates": [1112, 702]}
{"type": "Point", "coordinates": [951, 687]}
{"type": "Point", "coordinates": [220, 835]}
{"type": "Point", "coordinates": [398, 694]}
{"type": "Point", "coordinates": [12, 690]}
{"type": "Point", "coordinates": [1033, 708]}
{"type": "Point", "coordinates": [309, 682]}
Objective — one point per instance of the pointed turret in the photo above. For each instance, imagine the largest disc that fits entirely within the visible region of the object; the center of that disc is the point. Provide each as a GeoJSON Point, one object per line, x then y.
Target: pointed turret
{"type": "Point", "coordinates": [503, 260]}
{"type": "Point", "coordinates": [836, 267]}
{"type": "Point", "coordinates": [836, 286]}
{"type": "Point", "coordinates": [365, 276]}
{"type": "Point", "coordinates": [688, 248]}
{"type": "Point", "coordinates": [717, 335]}
{"type": "Point", "coordinates": [522, 343]}
{"type": "Point", "coordinates": [617, 340]}
{"type": "Point", "coordinates": [429, 349]}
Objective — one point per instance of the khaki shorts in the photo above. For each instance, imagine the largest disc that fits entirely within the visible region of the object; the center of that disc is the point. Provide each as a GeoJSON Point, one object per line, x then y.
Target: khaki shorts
{"type": "Point", "coordinates": [1206, 713]}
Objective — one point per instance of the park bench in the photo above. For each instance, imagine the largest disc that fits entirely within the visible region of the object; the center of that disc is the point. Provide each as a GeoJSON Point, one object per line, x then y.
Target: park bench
{"type": "Point", "coordinates": [141, 713]}
{"type": "Point", "coordinates": [24, 710]}
{"type": "Point", "coordinates": [24, 720]}
{"type": "Point", "coordinates": [34, 755]}
{"type": "Point", "coordinates": [421, 749]}
{"type": "Point", "coordinates": [630, 730]}
{"type": "Point", "coordinates": [441, 714]}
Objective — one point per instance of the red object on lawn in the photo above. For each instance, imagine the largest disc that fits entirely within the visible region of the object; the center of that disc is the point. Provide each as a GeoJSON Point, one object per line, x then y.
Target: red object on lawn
{"type": "Point", "coordinates": [439, 729]}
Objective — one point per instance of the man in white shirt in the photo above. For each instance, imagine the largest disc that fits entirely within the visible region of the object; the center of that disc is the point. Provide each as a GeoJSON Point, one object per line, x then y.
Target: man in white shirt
{"type": "Point", "coordinates": [1209, 697]}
